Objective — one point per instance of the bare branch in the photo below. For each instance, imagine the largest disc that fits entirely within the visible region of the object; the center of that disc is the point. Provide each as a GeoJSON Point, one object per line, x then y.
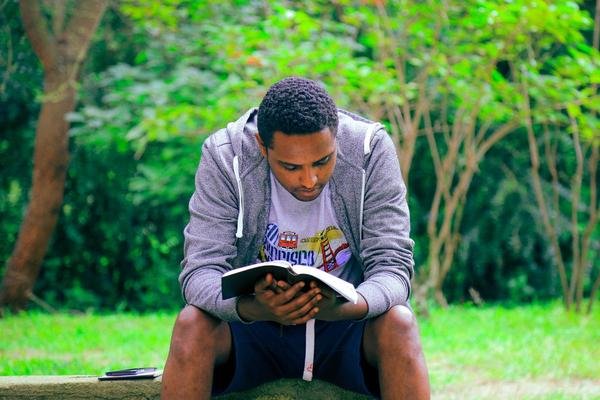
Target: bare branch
{"type": "Point", "coordinates": [593, 206]}
{"type": "Point", "coordinates": [593, 218]}
{"type": "Point", "coordinates": [495, 137]}
{"type": "Point", "coordinates": [576, 181]}
{"type": "Point", "coordinates": [435, 153]}
{"type": "Point", "coordinates": [58, 16]}
{"type": "Point", "coordinates": [42, 41]}
{"type": "Point", "coordinates": [539, 194]}
{"type": "Point", "coordinates": [481, 132]}
{"type": "Point", "coordinates": [452, 243]}
{"type": "Point", "coordinates": [81, 27]}
{"type": "Point", "coordinates": [47, 307]}
{"type": "Point", "coordinates": [594, 159]}
{"type": "Point", "coordinates": [595, 288]}
{"type": "Point", "coordinates": [453, 202]}
{"type": "Point", "coordinates": [395, 121]}
{"type": "Point", "coordinates": [550, 153]}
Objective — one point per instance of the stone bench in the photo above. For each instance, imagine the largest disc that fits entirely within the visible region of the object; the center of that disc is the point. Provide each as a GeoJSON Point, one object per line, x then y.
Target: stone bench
{"type": "Point", "coordinates": [37, 387]}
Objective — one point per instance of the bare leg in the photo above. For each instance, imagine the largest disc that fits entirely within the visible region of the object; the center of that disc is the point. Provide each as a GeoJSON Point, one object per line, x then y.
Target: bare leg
{"type": "Point", "coordinates": [391, 344]}
{"type": "Point", "coordinates": [199, 342]}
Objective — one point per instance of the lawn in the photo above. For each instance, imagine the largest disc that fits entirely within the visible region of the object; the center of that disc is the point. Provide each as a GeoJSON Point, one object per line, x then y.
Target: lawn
{"type": "Point", "coordinates": [526, 352]}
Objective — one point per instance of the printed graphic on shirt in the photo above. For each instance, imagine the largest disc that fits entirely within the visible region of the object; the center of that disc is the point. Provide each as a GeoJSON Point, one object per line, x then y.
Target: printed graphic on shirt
{"type": "Point", "coordinates": [326, 249]}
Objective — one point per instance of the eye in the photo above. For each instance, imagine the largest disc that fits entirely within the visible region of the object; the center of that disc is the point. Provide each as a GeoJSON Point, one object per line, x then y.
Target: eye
{"type": "Point", "coordinates": [290, 167]}
{"type": "Point", "coordinates": [323, 161]}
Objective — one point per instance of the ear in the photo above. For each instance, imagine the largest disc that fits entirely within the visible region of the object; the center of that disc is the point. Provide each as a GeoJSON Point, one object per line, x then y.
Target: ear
{"type": "Point", "coordinates": [261, 145]}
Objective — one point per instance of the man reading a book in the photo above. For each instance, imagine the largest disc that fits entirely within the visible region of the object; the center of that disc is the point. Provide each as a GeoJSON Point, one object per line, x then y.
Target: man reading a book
{"type": "Point", "coordinates": [298, 180]}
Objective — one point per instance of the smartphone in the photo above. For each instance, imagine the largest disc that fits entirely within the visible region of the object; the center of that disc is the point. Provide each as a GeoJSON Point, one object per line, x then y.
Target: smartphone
{"type": "Point", "coordinates": [131, 373]}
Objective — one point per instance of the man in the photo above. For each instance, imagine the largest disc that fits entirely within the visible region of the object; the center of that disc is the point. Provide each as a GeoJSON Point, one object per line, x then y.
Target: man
{"type": "Point", "coordinates": [298, 179]}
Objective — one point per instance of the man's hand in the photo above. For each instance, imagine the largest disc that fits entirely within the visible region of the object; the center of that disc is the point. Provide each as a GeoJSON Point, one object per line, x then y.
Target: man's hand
{"type": "Point", "coordinates": [331, 307]}
{"type": "Point", "coordinates": [329, 303]}
{"type": "Point", "coordinates": [277, 301]}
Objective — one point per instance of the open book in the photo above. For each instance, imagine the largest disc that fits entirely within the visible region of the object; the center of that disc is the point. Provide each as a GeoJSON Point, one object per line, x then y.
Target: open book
{"type": "Point", "coordinates": [241, 281]}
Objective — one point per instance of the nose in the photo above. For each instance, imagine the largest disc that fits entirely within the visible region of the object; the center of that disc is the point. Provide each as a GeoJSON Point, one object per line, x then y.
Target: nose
{"type": "Point", "coordinates": [308, 178]}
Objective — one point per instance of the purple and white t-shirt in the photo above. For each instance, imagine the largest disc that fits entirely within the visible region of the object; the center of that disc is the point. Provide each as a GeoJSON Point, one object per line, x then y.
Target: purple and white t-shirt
{"type": "Point", "coordinates": [307, 233]}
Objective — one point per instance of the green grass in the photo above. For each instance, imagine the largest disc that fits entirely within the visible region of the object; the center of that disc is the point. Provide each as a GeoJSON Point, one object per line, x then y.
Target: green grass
{"type": "Point", "coordinates": [538, 351]}
{"type": "Point", "coordinates": [42, 344]}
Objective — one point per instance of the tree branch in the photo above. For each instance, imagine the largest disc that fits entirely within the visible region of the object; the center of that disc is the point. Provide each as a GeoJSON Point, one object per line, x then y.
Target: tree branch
{"type": "Point", "coordinates": [81, 27]}
{"type": "Point", "coordinates": [498, 135]}
{"type": "Point", "coordinates": [42, 40]}
{"type": "Point", "coordinates": [58, 16]}
{"type": "Point", "coordinates": [539, 194]}
{"type": "Point", "coordinates": [593, 218]}
{"type": "Point", "coordinates": [576, 180]}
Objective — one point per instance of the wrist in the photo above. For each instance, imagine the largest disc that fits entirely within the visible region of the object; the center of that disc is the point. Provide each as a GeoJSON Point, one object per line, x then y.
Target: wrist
{"type": "Point", "coordinates": [246, 308]}
{"type": "Point", "coordinates": [351, 311]}
{"type": "Point", "coordinates": [344, 310]}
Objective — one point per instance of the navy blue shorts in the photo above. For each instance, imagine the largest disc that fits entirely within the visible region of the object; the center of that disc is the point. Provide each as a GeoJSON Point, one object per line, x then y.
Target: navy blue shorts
{"type": "Point", "coordinates": [267, 351]}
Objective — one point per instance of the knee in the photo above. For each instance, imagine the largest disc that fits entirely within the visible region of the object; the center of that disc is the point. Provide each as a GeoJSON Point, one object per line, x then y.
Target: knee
{"type": "Point", "coordinates": [402, 319]}
{"type": "Point", "coordinates": [198, 335]}
{"type": "Point", "coordinates": [392, 334]}
{"type": "Point", "coordinates": [397, 322]}
{"type": "Point", "coordinates": [194, 328]}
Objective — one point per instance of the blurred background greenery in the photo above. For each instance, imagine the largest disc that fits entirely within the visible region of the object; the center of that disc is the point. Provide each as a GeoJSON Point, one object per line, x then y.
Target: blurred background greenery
{"type": "Point", "coordinates": [469, 90]}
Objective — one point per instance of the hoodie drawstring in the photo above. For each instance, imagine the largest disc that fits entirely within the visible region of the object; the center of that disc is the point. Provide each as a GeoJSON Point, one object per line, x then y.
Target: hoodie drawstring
{"type": "Point", "coordinates": [366, 150]}
{"type": "Point", "coordinates": [309, 353]}
{"type": "Point", "coordinates": [240, 220]}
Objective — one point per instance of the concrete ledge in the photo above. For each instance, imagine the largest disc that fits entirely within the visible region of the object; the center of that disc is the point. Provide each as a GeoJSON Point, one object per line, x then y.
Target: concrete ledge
{"type": "Point", "coordinates": [78, 387]}
{"type": "Point", "coordinates": [75, 387]}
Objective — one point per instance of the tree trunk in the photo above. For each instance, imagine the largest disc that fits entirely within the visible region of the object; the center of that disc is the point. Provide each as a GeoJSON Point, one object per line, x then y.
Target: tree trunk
{"type": "Point", "coordinates": [51, 156]}
{"type": "Point", "coordinates": [61, 52]}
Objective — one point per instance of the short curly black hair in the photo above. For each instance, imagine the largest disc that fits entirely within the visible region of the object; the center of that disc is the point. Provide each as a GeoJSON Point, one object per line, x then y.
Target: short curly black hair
{"type": "Point", "coordinates": [296, 106]}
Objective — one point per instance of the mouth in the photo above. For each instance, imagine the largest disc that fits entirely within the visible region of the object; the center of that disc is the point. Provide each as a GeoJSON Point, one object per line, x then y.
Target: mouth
{"type": "Point", "coordinates": [308, 194]}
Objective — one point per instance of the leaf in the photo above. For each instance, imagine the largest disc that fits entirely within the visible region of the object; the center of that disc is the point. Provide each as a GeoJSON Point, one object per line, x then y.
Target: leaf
{"type": "Point", "coordinates": [573, 110]}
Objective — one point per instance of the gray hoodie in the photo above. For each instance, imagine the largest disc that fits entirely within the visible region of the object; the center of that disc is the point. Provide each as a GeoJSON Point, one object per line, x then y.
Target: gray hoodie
{"type": "Point", "coordinates": [229, 212]}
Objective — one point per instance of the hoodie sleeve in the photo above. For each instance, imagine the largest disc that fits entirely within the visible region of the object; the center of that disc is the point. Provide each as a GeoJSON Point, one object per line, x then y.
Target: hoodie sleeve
{"type": "Point", "coordinates": [386, 248]}
{"type": "Point", "coordinates": [209, 236]}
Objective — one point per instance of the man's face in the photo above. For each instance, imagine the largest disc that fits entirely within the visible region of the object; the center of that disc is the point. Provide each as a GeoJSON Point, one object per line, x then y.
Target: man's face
{"type": "Point", "coordinates": [303, 163]}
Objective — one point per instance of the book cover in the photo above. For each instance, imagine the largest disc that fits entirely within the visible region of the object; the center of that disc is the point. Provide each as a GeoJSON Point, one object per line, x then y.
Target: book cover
{"type": "Point", "coordinates": [131, 373]}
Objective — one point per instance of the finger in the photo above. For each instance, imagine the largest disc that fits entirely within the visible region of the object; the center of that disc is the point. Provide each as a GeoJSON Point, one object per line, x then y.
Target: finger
{"type": "Point", "coordinates": [326, 290]}
{"type": "Point", "coordinates": [302, 315]}
{"type": "Point", "coordinates": [290, 301]}
{"type": "Point", "coordinates": [263, 283]}
{"type": "Point", "coordinates": [310, 296]}
{"type": "Point", "coordinates": [306, 317]}
{"type": "Point", "coordinates": [280, 286]}
{"type": "Point", "coordinates": [301, 304]}
{"type": "Point", "coordinates": [279, 300]}
{"type": "Point", "coordinates": [309, 306]}
{"type": "Point", "coordinates": [291, 292]}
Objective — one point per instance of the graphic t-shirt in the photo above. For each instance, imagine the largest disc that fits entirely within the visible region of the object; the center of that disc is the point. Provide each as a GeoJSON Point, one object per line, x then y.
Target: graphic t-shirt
{"type": "Point", "coordinates": [307, 233]}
